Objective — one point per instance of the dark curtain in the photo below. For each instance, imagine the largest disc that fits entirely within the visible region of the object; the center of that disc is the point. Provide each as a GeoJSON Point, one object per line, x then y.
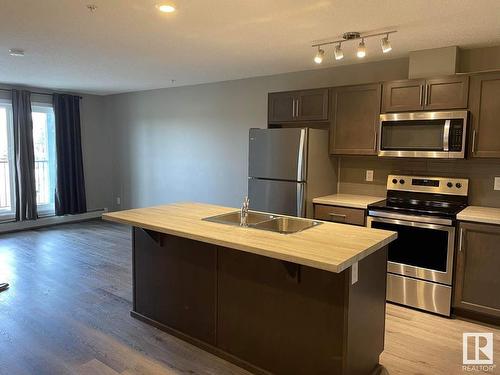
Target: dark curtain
{"type": "Point", "coordinates": [25, 184]}
{"type": "Point", "coordinates": [70, 186]}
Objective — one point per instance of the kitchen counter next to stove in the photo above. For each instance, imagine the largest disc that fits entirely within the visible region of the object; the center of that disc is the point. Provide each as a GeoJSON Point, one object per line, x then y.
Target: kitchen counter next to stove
{"type": "Point", "coordinates": [487, 215]}
{"type": "Point", "coordinates": [348, 200]}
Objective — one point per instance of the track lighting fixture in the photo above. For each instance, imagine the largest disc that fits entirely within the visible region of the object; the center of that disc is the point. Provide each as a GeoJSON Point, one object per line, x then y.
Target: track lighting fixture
{"type": "Point", "coordinates": [353, 35]}
{"type": "Point", "coordinates": [361, 49]}
{"type": "Point", "coordinates": [386, 45]}
{"type": "Point", "coordinates": [339, 54]}
{"type": "Point", "coordinates": [318, 59]}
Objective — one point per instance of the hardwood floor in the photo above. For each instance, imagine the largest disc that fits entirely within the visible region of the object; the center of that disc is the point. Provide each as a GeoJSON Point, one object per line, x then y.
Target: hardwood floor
{"type": "Point", "coordinates": [67, 312]}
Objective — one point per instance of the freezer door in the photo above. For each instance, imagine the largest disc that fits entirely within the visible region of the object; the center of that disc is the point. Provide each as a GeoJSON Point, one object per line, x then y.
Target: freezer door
{"type": "Point", "coordinates": [278, 197]}
{"type": "Point", "coordinates": [278, 154]}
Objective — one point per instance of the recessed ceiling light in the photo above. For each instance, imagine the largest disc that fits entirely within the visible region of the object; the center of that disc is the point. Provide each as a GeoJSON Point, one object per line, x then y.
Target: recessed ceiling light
{"type": "Point", "coordinates": [166, 8]}
{"type": "Point", "coordinates": [16, 52]}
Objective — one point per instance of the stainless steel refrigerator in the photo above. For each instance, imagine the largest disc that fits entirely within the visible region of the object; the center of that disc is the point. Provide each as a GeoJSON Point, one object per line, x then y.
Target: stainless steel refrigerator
{"type": "Point", "coordinates": [288, 168]}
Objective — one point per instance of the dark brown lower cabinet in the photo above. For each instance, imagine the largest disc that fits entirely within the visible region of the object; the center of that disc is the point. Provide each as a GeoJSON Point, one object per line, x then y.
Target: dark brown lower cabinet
{"type": "Point", "coordinates": [266, 315]}
{"type": "Point", "coordinates": [477, 278]}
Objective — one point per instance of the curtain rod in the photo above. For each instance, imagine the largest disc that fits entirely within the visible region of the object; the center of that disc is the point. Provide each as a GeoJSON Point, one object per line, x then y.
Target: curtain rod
{"type": "Point", "coordinates": [34, 92]}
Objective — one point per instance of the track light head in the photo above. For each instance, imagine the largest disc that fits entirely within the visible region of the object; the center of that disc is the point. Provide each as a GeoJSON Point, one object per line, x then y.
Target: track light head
{"type": "Point", "coordinates": [361, 49]}
{"type": "Point", "coordinates": [318, 59]}
{"type": "Point", "coordinates": [386, 45]}
{"type": "Point", "coordinates": [339, 54]}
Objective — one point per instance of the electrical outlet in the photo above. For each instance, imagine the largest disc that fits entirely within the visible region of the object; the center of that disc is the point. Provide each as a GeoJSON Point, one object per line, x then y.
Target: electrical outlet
{"type": "Point", "coordinates": [496, 186]}
{"type": "Point", "coordinates": [118, 201]}
{"type": "Point", "coordinates": [369, 175]}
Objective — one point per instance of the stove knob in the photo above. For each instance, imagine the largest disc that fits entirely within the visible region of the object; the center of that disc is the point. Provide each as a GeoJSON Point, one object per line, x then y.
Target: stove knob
{"type": "Point", "coordinates": [402, 182]}
{"type": "Point", "coordinates": [458, 185]}
{"type": "Point", "coordinates": [394, 181]}
{"type": "Point", "coordinates": [449, 184]}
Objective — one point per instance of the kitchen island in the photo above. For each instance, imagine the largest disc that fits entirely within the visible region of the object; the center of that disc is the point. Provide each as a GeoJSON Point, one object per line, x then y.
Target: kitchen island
{"type": "Point", "coordinates": [312, 302]}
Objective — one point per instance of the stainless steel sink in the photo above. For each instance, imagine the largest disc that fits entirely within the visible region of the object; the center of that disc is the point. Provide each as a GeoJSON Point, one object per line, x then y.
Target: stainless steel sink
{"type": "Point", "coordinates": [259, 220]}
{"type": "Point", "coordinates": [287, 225]}
{"type": "Point", "coordinates": [234, 218]}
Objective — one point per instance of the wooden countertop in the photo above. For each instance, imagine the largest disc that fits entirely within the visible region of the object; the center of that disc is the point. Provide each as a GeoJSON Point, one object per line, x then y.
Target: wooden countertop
{"type": "Point", "coordinates": [488, 215]}
{"type": "Point", "coordinates": [348, 200]}
{"type": "Point", "coordinates": [329, 246]}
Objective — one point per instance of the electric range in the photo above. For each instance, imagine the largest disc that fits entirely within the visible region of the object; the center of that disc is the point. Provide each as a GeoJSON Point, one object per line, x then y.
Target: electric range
{"type": "Point", "coordinates": [423, 211]}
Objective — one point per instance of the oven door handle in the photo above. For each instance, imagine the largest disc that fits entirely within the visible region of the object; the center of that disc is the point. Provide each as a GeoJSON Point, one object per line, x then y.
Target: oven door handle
{"type": "Point", "coordinates": [443, 228]}
{"type": "Point", "coordinates": [409, 218]}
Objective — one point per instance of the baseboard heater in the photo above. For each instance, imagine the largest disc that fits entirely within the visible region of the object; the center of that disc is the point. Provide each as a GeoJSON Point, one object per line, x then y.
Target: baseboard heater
{"type": "Point", "coordinates": [14, 226]}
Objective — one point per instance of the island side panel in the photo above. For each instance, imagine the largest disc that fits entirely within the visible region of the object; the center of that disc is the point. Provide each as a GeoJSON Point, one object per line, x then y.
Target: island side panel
{"type": "Point", "coordinates": [279, 316]}
{"type": "Point", "coordinates": [175, 283]}
{"type": "Point", "coordinates": [366, 315]}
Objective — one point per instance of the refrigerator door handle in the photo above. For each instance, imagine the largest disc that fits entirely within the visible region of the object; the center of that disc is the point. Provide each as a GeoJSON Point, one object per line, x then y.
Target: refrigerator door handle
{"type": "Point", "coordinates": [301, 162]}
{"type": "Point", "coordinates": [301, 207]}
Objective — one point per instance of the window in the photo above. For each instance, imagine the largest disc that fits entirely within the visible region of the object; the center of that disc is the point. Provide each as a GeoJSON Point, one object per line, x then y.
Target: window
{"type": "Point", "coordinates": [7, 192]}
{"type": "Point", "coordinates": [45, 156]}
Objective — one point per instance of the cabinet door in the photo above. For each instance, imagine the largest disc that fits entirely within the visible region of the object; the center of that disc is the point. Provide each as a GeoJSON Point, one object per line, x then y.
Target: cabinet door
{"type": "Point", "coordinates": [405, 95]}
{"type": "Point", "coordinates": [355, 118]}
{"type": "Point", "coordinates": [446, 93]}
{"type": "Point", "coordinates": [175, 282]}
{"type": "Point", "coordinates": [478, 264]}
{"type": "Point", "coordinates": [281, 107]}
{"type": "Point", "coordinates": [485, 112]}
{"type": "Point", "coordinates": [312, 105]}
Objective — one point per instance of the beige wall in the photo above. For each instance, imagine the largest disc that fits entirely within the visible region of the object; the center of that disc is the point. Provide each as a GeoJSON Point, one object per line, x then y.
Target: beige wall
{"type": "Point", "coordinates": [479, 59]}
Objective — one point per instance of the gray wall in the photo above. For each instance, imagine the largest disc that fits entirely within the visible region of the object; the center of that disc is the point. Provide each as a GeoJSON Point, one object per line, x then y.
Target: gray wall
{"type": "Point", "coordinates": [190, 143]}
{"type": "Point", "coordinates": [97, 148]}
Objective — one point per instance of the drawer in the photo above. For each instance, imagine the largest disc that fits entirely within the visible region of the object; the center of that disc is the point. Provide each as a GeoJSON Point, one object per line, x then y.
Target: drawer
{"type": "Point", "coordinates": [338, 214]}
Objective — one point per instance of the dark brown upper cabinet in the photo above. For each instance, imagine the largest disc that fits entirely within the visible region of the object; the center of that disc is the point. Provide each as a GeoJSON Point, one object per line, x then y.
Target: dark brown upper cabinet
{"type": "Point", "coordinates": [355, 112]}
{"type": "Point", "coordinates": [298, 106]}
{"type": "Point", "coordinates": [431, 94]}
{"type": "Point", "coordinates": [477, 280]}
{"type": "Point", "coordinates": [485, 114]}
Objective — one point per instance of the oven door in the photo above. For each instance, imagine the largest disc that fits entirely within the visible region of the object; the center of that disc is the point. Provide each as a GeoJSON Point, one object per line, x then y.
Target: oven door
{"type": "Point", "coordinates": [423, 251]}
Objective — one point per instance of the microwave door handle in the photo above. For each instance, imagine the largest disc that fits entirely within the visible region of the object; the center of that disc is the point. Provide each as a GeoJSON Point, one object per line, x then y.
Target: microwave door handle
{"type": "Point", "coordinates": [446, 135]}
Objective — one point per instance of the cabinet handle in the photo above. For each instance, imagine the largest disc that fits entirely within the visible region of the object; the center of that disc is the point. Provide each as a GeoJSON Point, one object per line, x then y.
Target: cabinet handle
{"type": "Point", "coordinates": [474, 141]}
{"type": "Point", "coordinates": [426, 96]}
{"type": "Point", "coordinates": [293, 108]}
{"type": "Point", "coordinates": [297, 108]}
{"type": "Point", "coordinates": [461, 240]}
{"type": "Point", "coordinates": [341, 216]}
{"type": "Point", "coordinates": [421, 94]}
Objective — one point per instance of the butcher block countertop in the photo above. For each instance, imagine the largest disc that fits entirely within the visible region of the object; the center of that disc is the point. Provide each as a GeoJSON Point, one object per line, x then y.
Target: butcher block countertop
{"type": "Point", "coordinates": [348, 200]}
{"type": "Point", "coordinates": [487, 215]}
{"type": "Point", "coordinates": [329, 246]}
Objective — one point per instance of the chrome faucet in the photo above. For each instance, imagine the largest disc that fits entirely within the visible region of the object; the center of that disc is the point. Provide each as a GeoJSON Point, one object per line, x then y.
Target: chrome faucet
{"type": "Point", "coordinates": [244, 212]}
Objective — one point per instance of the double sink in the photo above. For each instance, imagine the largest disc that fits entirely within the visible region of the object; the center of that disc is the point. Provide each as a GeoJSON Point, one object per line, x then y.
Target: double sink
{"type": "Point", "coordinates": [263, 221]}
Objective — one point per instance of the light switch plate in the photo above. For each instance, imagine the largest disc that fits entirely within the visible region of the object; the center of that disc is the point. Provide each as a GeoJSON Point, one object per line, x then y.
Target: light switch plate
{"type": "Point", "coordinates": [497, 184]}
{"type": "Point", "coordinates": [369, 175]}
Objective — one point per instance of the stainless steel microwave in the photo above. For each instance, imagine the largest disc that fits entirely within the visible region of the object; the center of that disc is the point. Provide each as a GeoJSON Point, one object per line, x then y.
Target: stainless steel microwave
{"type": "Point", "coordinates": [423, 134]}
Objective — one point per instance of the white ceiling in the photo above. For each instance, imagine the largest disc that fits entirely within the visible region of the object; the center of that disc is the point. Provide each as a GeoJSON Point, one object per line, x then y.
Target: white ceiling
{"type": "Point", "coordinates": [127, 45]}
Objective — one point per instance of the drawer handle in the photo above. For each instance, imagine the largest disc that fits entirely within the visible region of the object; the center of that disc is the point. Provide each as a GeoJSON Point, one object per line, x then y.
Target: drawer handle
{"type": "Point", "coordinates": [341, 216]}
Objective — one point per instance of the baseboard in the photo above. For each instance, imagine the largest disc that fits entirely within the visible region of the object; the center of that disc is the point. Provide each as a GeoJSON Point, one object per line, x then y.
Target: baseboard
{"type": "Point", "coordinates": [49, 221]}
